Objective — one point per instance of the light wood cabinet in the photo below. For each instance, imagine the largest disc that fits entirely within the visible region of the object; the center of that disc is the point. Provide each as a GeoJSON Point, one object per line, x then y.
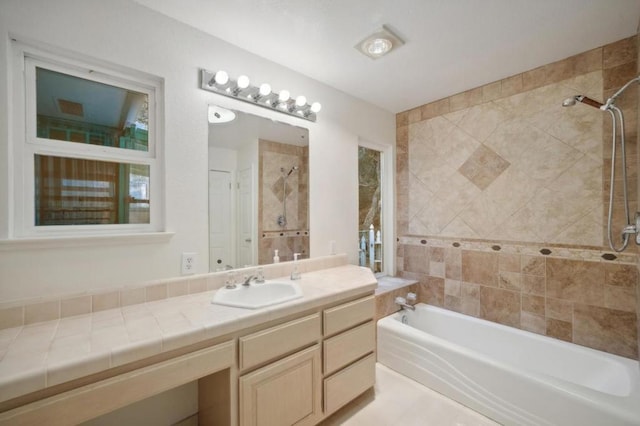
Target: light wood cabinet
{"type": "Point", "coordinates": [348, 383]}
{"type": "Point", "coordinates": [292, 391]}
{"type": "Point", "coordinates": [286, 392]}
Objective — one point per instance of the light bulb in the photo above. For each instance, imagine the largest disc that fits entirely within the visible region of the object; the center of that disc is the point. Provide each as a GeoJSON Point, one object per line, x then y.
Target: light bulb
{"type": "Point", "coordinates": [284, 96]}
{"type": "Point", "coordinates": [316, 106]}
{"type": "Point", "coordinates": [265, 89]}
{"type": "Point", "coordinates": [379, 46]}
{"type": "Point", "coordinates": [301, 101]}
{"type": "Point", "coordinates": [221, 78]}
{"type": "Point", "coordinates": [243, 82]}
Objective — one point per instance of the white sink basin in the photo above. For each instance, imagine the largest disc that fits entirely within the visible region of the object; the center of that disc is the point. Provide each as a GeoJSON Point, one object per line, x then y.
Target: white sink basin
{"type": "Point", "coordinates": [258, 295]}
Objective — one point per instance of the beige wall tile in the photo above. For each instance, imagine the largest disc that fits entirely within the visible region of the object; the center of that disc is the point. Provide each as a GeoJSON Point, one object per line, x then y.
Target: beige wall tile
{"type": "Point", "coordinates": [11, 317]}
{"type": "Point", "coordinates": [465, 99]}
{"type": "Point", "coordinates": [533, 304]}
{"type": "Point", "coordinates": [156, 292]}
{"type": "Point", "coordinates": [197, 285]}
{"type": "Point", "coordinates": [492, 91]}
{"type": "Point", "coordinates": [452, 288]}
{"type": "Point", "coordinates": [533, 284]}
{"type": "Point", "coordinates": [510, 281]}
{"type": "Point", "coordinates": [480, 267]}
{"type": "Point", "coordinates": [431, 291]}
{"type": "Point", "coordinates": [133, 296]}
{"type": "Point", "coordinates": [574, 280]}
{"type": "Point", "coordinates": [177, 288]}
{"type": "Point", "coordinates": [606, 330]}
{"type": "Point", "coordinates": [620, 52]}
{"type": "Point", "coordinates": [614, 78]}
{"type": "Point", "coordinates": [621, 298]}
{"type": "Point", "coordinates": [104, 301]}
{"type": "Point", "coordinates": [559, 309]}
{"type": "Point", "coordinates": [501, 306]}
{"type": "Point", "coordinates": [620, 275]}
{"type": "Point", "coordinates": [38, 312]}
{"type": "Point", "coordinates": [512, 85]}
{"type": "Point", "coordinates": [402, 119]}
{"type": "Point", "coordinates": [588, 61]}
{"type": "Point", "coordinates": [533, 323]}
{"type": "Point", "coordinates": [452, 303]}
{"type": "Point", "coordinates": [416, 259]}
{"type": "Point", "coordinates": [435, 109]}
{"type": "Point", "coordinates": [453, 263]}
{"type": "Point", "coordinates": [415, 115]}
{"type": "Point", "coordinates": [75, 306]}
{"type": "Point", "coordinates": [534, 79]}
{"type": "Point", "coordinates": [559, 329]}
{"type": "Point", "coordinates": [533, 265]}
{"type": "Point", "coordinates": [509, 262]}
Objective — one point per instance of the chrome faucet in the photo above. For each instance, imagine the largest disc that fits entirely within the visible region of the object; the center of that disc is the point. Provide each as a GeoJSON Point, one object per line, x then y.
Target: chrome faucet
{"type": "Point", "coordinates": [295, 274]}
{"type": "Point", "coordinates": [247, 281]}
{"type": "Point", "coordinates": [408, 302]}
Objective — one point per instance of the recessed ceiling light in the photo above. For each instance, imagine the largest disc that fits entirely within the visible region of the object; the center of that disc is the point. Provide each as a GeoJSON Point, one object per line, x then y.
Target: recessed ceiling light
{"type": "Point", "coordinates": [379, 43]}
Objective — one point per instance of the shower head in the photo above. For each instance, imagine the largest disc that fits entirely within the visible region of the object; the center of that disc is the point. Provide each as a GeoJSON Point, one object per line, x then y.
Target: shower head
{"type": "Point", "coordinates": [581, 98]}
{"type": "Point", "coordinates": [282, 169]}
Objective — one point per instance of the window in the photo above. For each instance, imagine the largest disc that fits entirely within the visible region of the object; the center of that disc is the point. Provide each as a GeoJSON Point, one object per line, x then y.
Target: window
{"type": "Point", "coordinates": [88, 148]}
{"type": "Point", "coordinates": [370, 209]}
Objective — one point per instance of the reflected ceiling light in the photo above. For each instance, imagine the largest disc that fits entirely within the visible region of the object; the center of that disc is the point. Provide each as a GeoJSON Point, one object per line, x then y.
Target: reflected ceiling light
{"type": "Point", "coordinates": [379, 43]}
{"type": "Point", "coordinates": [264, 96]}
{"type": "Point", "coordinates": [218, 115]}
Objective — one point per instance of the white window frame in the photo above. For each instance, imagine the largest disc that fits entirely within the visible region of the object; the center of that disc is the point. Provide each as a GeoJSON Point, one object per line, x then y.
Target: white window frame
{"type": "Point", "coordinates": [25, 144]}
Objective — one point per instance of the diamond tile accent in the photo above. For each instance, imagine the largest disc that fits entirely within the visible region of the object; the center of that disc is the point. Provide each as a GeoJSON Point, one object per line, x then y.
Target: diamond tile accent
{"type": "Point", "coordinates": [483, 167]}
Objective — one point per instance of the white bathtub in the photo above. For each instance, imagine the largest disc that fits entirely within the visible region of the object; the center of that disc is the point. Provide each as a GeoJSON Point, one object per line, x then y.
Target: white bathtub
{"type": "Point", "coordinates": [509, 375]}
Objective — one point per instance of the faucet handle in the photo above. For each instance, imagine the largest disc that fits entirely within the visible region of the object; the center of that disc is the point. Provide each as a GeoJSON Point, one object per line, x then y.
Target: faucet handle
{"type": "Point", "coordinates": [411, 297]}
{"type": "Point", "coordinates": [259, 275]}
{"type": "Point", "coordinates": [400, 300]}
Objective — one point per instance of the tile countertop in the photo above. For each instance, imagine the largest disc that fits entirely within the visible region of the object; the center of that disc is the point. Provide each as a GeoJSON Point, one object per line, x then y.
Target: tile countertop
{"type": "Point", "coordinates": [46, 354]}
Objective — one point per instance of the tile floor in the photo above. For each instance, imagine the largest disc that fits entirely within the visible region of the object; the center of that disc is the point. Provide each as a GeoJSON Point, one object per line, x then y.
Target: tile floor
{"type": "Point", "coordinates": [398, 400]}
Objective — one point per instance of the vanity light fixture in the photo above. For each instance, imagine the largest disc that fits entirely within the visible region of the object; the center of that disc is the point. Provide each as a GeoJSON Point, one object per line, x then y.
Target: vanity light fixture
{"type": "Point", "coordinates": [379, 43]}
{"type": "Point", "coordinates": [263, 95]}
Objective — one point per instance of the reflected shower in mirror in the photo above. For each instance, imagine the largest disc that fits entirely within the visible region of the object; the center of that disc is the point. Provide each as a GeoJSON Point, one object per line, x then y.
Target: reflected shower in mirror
{"type": "Point", "coordinates": [258, 190]}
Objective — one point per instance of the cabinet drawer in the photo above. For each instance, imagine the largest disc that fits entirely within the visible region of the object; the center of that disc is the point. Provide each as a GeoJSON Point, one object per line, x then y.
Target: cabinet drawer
{"type": "Point", "coordinates": [348, 346]}
{"type": "Point", "coordinates": [346, 316]}
{"type": "Point", "coordinates": [268, 344]}
{"type": "Point", "coordinates": [346, 384]}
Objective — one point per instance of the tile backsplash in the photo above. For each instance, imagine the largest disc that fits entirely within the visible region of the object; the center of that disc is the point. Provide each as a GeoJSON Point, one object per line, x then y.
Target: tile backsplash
{"type": "Point", "coordinates": [588, 302]}
{"type": "Point", "coordinates": [502, 198]}
{"type": "Point", "coordinates": [18, 313]}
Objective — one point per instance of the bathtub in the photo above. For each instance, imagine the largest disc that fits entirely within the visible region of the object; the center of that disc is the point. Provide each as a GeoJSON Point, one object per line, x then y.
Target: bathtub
{"type": "Point", "coordinates": [512, 376]}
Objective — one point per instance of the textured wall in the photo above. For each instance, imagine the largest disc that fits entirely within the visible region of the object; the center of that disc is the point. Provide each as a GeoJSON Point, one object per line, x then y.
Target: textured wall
{"type": "Point", "coordinates": [502, 201]}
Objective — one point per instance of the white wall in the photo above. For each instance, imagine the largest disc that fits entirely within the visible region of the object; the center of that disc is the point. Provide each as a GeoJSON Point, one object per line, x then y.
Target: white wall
{"type": "Point", "coordinates": [126, 34]}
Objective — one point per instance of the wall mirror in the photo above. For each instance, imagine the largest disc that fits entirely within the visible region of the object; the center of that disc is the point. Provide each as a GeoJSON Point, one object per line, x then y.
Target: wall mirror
{"type": "Point", "coordinates": [258, 190]}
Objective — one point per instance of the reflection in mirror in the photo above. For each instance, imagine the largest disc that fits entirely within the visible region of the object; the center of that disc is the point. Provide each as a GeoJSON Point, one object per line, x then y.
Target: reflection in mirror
{"type": "Point", "coordinates": [258, 190]}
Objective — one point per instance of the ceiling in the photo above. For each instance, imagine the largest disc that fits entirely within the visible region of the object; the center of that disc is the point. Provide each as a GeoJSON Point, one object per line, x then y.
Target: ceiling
{"type": "Point", "coordinates": [450, 45]}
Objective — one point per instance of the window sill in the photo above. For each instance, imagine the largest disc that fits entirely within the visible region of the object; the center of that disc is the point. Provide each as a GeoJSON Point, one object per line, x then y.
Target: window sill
{"type": "Point", "coordinates": [85, 241]}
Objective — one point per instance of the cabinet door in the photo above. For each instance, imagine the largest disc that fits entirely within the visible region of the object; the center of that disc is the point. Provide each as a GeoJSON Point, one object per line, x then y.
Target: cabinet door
{"type": "Point", "coordinates": [286, 392]}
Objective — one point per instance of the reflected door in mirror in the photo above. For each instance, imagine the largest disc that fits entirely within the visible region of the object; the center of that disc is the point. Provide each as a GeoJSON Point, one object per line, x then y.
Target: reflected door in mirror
{"type": "Point", "coordinates": [220, 251]}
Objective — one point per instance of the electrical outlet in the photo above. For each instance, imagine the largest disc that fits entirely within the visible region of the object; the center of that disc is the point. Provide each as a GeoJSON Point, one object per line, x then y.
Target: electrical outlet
{"type": "Point", "coordinates": [189, 263]}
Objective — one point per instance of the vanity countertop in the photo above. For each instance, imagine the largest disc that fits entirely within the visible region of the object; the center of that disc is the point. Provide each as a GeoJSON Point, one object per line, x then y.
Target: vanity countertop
{"type": "Point", "coordinates": [41, 355]}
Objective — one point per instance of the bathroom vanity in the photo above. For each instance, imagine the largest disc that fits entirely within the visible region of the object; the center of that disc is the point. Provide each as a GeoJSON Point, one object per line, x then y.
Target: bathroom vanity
{"type": "Point", "coordinates": [293, 363]}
